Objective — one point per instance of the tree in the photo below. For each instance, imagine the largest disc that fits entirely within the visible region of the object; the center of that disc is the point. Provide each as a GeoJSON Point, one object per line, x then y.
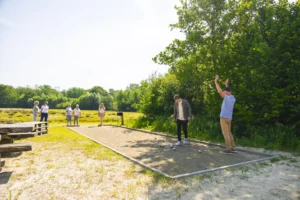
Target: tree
{"type": "Point", "coordinates": [90, 101]}
{"type": "Point", "coordinates": [8, 96]}
{"type": "Point", "coordinates": [75, 92]}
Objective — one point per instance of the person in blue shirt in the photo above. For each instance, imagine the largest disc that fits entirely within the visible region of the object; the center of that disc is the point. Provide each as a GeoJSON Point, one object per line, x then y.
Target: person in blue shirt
{"type": "Point", "coordinates": [226, 115]}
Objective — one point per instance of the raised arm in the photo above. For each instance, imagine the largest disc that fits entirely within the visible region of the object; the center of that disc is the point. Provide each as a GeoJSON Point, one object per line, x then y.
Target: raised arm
{"type": "Point", "coordinates": [218, 86]}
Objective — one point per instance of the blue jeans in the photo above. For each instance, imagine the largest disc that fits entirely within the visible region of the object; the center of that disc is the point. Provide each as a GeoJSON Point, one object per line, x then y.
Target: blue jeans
{"type": "Point", "coordinates": [44, 115]}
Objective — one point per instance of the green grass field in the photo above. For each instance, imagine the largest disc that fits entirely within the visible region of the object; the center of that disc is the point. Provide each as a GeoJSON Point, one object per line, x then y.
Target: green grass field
{"type": "Point", "coordinates": [280, 138]}
{"type": "Point", "coordinates": [58, 116]}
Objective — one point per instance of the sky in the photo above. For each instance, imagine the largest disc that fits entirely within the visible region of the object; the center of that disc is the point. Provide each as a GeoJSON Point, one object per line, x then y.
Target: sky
{"type": "Point", "coordinates": [76, 43]}
{"type": "Point", "coordinates": [83, 43]}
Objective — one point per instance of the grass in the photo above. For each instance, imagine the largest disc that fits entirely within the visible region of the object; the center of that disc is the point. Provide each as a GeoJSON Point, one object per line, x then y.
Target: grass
{"type": "Point", "coordinates": [61, 138]}
{"type": "Point", "coordinates": [208, 129]}
{"type": "Point", "coordinates": [202, 128]}
{"type": "Point", "coordinates": [67, 140]}
{"type": "Point", "coordinates": [58, 116]}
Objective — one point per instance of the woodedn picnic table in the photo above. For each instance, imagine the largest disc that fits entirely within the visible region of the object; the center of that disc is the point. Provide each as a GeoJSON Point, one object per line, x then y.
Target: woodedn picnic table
{"type": "Point", "coordinates": [19, 130]}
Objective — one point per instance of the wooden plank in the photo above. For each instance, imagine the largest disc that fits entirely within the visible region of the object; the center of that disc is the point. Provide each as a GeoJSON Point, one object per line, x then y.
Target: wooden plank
{"type": "Point", "coordinates": [15, 129]}
{"type": "Point", "coordinates": [23, 135]}
{"type": "Point", "coordinates": [7, 148]}
{"type": "Point", "coordinates": [6, 140]}
{"type": "Point", "coordinates": [21, 125]}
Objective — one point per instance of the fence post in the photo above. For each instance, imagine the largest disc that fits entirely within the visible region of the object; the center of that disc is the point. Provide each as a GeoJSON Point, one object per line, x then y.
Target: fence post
{"type": "Point", "coordinates": [39, 128]}
{"type": "Point", "coordinates": [46, 124]}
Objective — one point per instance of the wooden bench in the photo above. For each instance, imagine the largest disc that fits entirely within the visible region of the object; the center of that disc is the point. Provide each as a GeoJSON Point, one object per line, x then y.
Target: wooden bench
{"type": "Point", "coordinates": [22, 135]}
{"type": "Point", "coordinates": [19, 130]}
{"type": "Point", "coordinates": [8, 148]}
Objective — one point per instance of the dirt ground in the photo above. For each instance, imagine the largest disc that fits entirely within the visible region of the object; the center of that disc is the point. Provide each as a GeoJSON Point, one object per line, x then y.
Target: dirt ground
{"type": "Point", "coordinates": [51, 171]}
{"type": "Point", "coordinates": [156, 151]}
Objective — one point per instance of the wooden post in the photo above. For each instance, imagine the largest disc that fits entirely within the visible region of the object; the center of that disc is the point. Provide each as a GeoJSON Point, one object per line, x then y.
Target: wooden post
{"type": "Point", "coordinates": [46, 124]}
{"type": "Point", "coordinates": [39, 128]}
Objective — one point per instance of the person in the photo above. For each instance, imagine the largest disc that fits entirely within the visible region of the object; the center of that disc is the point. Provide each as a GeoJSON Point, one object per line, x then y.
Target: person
{"type": "Point", "coordinates": [69, 114]}
{"type": "Point", "coordinates": [101, 113]}
{"type": "Point", "coordinates": [77, 114]}
{"type": "Point", "coordinates": [182, 115]}
{"type": "Point", "coordinates": [226, 115]}
{"type": "Point", "coordinates": [35, 110]}
{"type": "Point", "coordinates": [44, 111]}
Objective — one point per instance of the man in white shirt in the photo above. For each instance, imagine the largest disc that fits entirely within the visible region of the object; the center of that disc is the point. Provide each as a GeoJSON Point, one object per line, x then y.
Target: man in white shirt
{"type": "Point", "coordinates": [182, 115]}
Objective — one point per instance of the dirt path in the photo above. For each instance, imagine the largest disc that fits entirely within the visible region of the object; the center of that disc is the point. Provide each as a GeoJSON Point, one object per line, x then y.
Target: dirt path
{"type": "Point", "coordinates": [64, 170]}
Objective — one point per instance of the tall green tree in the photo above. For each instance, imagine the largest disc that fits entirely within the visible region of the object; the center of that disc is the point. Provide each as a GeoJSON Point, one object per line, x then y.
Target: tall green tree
{"type": "Point", "coordinates": [8, 96]}
{"type": "Point", "coordinates": [75, 92]}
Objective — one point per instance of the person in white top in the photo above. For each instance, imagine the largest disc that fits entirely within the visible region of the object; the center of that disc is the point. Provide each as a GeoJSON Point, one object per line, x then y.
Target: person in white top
{"type": "Point", "coordinates": [44, 111]}
{"type": "Point", "coordinates": [182, 115]}
{"type": "Point", "coordinates": [101, 113]}
{"type": "Point", "coordinates": [77, 114]}
{"type": "Point", "coordinates": [69, 114]}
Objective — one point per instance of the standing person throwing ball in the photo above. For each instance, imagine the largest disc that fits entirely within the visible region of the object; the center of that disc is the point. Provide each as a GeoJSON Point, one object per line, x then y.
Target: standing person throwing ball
{"type": "Point", "coordinates": [182, 115]}
{"type": "Point", "coordinates": [226, 115]}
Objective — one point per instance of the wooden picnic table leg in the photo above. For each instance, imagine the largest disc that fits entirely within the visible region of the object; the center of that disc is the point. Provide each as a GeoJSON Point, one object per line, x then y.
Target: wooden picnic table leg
{"type": "Point", "coordinates": [46, 124]}
{"type": "Point", "coordinates": [39, 129]}
{"type": "Point", "coordinates": [0, 162]}
{"type": "Point", "coordinates": [5, 139]}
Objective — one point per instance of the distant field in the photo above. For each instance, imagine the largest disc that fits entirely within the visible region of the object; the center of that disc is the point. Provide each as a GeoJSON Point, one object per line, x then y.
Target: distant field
{"type": "Point", "coordinates": [12, 115]}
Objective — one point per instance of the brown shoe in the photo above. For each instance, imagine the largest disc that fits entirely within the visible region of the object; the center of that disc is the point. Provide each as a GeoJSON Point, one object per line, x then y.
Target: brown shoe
{"type": "Point", "coordinates": [225, 151]}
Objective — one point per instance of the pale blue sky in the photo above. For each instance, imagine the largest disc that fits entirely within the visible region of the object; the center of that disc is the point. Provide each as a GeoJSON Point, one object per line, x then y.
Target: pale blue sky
{"type": "Point", "coordinates": [83, 43]}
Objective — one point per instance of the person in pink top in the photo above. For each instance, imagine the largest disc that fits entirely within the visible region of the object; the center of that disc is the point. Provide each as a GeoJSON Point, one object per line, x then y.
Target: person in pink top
{"type": "Point", "coordinates": [101, 113]}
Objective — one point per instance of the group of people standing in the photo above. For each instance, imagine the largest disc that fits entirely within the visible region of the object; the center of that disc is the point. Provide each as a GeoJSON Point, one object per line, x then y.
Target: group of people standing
{"type": "Point", "coordinates": [43, 111]}
{"type": "Point", "coordinates": [182, 115]}
{"type": "Point", "coordinates": [76, 113]}
{"type": "Point", "coordinates": [69, 113]}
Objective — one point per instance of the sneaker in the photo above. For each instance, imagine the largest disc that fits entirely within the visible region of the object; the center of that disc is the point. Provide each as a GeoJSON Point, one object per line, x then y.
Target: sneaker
{"type": "Point", "coordinates": [225, 151]}
{"type": "Point", "coordinates": [178, 143]}
{"type": "Point", "coordinates": [233, 150]}
{"type": "Point", "coordinates": [185, 141]}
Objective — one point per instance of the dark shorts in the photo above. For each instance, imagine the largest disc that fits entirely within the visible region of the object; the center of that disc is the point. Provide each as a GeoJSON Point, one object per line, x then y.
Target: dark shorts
{"type": "Point", "coordinates": [69, 117]}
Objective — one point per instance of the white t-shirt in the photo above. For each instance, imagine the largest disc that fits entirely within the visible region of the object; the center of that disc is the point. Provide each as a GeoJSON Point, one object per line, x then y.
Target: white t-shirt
{"type": "Point", "coordinates": [69, 110]}
{"type": "Point", "coordinates": [101, 110]}
{"type": "Point", "coordinates": [180, 111]}
{"type": "Point", "coordinates": [45, 108]}
{"type": "Point", "coordinates": [76, 111]}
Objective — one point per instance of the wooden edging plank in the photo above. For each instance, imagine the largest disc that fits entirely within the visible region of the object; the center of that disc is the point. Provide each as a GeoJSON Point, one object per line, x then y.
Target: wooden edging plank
{"type": "Point", "coordinates": [8, 148]}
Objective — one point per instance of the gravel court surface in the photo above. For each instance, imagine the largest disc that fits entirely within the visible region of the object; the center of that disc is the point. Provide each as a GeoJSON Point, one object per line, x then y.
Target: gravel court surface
{"type": "Point", "coordinates": [157, 151]}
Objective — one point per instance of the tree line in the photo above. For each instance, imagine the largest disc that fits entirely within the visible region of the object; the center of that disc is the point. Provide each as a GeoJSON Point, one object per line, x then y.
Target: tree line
{"type": "Point", "coordinates": [254, 43]}
{"type": "Point", "coordinates": [23, 97]}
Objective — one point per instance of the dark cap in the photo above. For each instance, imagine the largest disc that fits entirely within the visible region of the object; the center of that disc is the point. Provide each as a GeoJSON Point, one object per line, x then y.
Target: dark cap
{"type": "Point", "coordinates": [227, 89]}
